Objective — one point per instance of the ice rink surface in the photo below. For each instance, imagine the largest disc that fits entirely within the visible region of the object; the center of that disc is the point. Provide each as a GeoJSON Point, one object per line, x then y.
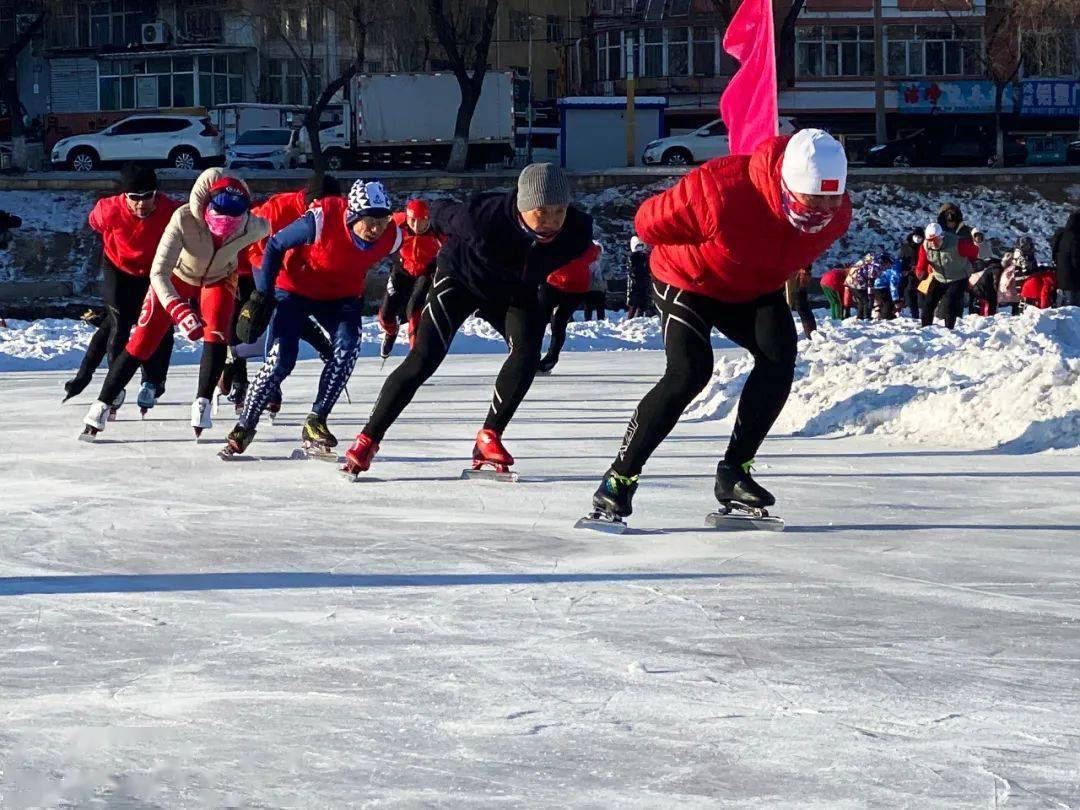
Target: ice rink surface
{"type": "Point", "coordinates": [181, 632]}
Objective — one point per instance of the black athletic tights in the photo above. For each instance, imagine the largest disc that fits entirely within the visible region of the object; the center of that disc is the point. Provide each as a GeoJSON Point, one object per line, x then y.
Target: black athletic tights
{"type": "Point", "coordinates": [764, 327]}
{"type": "Point", "coordinates": [123, 295]}
{"type": "Point", "coordinates": [521, 322]}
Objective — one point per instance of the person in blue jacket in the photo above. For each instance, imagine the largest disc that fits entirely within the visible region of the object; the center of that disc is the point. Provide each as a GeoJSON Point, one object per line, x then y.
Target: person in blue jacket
{"type": "Point", "coordinates": [888, 287]}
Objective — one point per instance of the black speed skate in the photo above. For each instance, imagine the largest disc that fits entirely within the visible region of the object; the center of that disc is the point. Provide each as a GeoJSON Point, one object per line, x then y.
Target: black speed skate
{"type": "Point", "coordinates": [387, 345]}
{"type": "Point", "coordinates": [612, 504]}
{"type": "Point", "coordinates": [318, 440]}
{"type": "Point", "coordinates": [237, 443]}
{"type": "Point", "coordinates": [743, 501]}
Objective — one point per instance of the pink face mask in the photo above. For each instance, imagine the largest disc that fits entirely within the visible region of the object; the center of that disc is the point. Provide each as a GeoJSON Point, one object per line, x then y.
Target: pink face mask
{"type": "Point", "coordinates": [220, 225]}
{"type": "Point", "coordinates": [802, 216]}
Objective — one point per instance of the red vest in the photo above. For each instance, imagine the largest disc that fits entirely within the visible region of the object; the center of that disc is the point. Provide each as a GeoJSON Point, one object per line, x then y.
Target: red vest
{"type": "Point", "coordinates": [280, 210]}
{"type": "Point", "coordinates": [131, 243]}
{"type": "Point", "coordinates": [333, 267]}
{"type": "Point", "coordinates": [418, 251]}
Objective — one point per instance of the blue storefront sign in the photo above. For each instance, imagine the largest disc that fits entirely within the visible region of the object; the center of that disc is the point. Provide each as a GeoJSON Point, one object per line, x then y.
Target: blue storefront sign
{"type": "Point", "coordinates": [1050, 97]}
{"type": "Point", "coordinates": [951, 97]}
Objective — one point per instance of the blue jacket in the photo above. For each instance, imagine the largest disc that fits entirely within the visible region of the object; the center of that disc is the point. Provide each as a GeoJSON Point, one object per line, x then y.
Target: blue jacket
{"type": "Point", "coordinates": [891, 278]}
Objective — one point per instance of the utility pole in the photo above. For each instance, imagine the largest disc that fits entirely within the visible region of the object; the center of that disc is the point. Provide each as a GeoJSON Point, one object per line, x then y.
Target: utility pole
{"type": "Point", "coordinates": [529, 113]}
{"type": "Point", "coordinates": [881, 133]}
{"type": "Point", "coordinates": [631, 157]}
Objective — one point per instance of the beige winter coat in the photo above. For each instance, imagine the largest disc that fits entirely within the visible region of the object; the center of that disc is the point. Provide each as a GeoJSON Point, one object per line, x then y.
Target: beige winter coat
{"type": "Point", "coordinates": [187, 248]}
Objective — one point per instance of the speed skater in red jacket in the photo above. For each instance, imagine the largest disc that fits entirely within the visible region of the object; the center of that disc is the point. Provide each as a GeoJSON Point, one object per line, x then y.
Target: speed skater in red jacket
{"type": "Point", "coordinates": [725, 239]}
{"type": "Point", "coordinates": [317, 266]}
{"type": "Point", "coordinates": [130, 225]}
{"type": "Point", "coordinates": [410, 279]}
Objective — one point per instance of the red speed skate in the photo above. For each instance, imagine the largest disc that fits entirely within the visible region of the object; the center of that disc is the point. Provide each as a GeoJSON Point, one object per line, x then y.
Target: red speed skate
{"type": "Point", "coordinates": [489, 452]}
{"type": "Point", "coordinates": [358, 457]}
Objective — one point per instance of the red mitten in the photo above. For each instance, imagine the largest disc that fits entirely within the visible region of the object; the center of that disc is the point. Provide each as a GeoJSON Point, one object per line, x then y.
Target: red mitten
{"type": "Point", "coordinates": [184, 317]}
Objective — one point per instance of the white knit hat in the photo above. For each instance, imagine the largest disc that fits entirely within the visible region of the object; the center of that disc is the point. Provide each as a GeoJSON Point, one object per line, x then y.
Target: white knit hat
{"type": "Point", "coordinates": [933, 231]}
{"type": "Point", "coordinates": [814, 163]}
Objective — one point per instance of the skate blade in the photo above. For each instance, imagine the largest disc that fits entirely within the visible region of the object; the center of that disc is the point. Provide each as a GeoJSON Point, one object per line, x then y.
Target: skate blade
{"type": "Point", "coordinates": [313, 454]}
{"type": "Point", "coordinates": [508, 477]}
{"type": "Point", "coordinates": [599, 523]}
{"type": "Point", "coordinates": [730, 521]}
{"type": "Point", "coordinates": [112, 416]}
{"type": "Point", "coordinates": [89, 438]}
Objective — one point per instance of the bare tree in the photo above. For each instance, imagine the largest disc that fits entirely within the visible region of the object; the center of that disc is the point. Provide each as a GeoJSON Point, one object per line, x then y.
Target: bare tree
{"type": "Point", "coordinates": [9, 82]}
{"type": "Point", "coordinates": [461, 30]}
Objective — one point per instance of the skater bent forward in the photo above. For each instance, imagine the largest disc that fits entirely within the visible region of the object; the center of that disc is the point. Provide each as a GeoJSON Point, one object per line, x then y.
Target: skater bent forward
{"type": "Point", "coordinates": [725, 239]}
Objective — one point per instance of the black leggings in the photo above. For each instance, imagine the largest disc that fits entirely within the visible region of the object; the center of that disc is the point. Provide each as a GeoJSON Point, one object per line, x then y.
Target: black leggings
{"type": "Point", "coordinates": [404, 295]}
{"type": "Point", "coordinates": [559, 307]}
{"type": "Point", "coordinates": [764, 327]}
{"type": "Point", "coordinates": [951, 293]}
{"type": "Point", "coordinates": [520, 321]}
{"type": "Point", "coordinates": [123, 295]}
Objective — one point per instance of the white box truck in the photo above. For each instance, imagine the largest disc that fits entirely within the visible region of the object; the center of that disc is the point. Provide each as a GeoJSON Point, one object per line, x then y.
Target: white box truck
{"type": "Point", "coordinates": [406, 120]}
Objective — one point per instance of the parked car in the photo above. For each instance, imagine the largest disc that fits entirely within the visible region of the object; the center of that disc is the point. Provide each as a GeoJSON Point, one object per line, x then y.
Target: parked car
{"type": "Point", "coordinates": [264, 148]}
{"type": "Point", "coordinates": [698, 146]}
{"type": "Point", "coordinates": [955, 145]}
{"type": "Point", "coordinates": [178, 141]}
{"type": "Point", "coordinates": [1073, 154]}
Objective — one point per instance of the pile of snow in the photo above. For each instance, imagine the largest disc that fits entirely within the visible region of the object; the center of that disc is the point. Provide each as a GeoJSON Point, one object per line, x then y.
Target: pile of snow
{"type": "Point", "coordinates": [998, 381]}
{"type": "Point", "coordinates": [54, 343]}
{"type": "Point", "coordinates": [55, 211]}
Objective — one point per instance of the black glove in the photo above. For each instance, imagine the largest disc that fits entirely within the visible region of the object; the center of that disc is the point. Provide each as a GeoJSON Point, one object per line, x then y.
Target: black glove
{"type": "Point", "coordinates": [254, 317]}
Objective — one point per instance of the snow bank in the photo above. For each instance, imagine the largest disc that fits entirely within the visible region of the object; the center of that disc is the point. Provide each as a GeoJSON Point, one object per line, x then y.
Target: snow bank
{"type": "Point", "coordinates": [1000, 381]}
{"type": "Point", "coordinates": [52, 343]}
{"type": "Point", "coordinates": [56, 211]}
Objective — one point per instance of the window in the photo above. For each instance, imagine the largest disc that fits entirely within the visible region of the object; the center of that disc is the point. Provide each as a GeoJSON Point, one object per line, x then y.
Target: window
{"type": "Point", "coordinates": [170, 82]}
{"type": "Point", "coordinates": [934, 50]}
{"type": "Point", "coordinates": [554, 28]}
{"type": "Point", "coordinates": [273, 81]}
{"type": "Point", "coordinates": [552, 83]}
{"type": "Point", "coordinates": [653, 57]}
{"type": "Point", "coordinates": [834, 50]}
{"type": "Point", "coordinates": [704, 51]}
{"type": "Point", "coordinates": [201, 21]}
{"type": "Point", "coordinates": [1049, 54]}
{"type": "Point", "coordinates": [678, 54]}
{"type": "Point", "coordinates": [520, 26]}
{"type": "Point", "coordinates": [609, 56]}
{"type": "Point", "coordinates": [316, 23]}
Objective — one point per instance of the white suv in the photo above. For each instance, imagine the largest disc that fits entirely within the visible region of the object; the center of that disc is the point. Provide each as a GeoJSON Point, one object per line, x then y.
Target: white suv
{"type": "Point", "coordinates": [179, 141]}
{"type": "Point", "coordinates": [698, 146]}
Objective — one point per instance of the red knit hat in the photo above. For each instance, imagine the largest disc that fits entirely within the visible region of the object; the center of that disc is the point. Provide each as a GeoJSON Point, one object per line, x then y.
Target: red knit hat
{"type": "Point", "coordinates": [418, 209]}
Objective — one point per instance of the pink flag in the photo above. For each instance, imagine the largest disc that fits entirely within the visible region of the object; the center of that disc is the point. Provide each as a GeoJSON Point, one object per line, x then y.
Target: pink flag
{"type": "Point", "coordinates": [748, 105]}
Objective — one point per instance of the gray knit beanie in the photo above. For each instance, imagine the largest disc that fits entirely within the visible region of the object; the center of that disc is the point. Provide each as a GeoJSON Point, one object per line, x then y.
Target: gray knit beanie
{"type": "Point", "coordinates": [542, 184]}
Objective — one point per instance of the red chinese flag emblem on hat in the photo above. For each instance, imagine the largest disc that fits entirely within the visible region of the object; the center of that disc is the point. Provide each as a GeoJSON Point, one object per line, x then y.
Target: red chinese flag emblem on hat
{"type": "Point", "coordinates": [830, 186]}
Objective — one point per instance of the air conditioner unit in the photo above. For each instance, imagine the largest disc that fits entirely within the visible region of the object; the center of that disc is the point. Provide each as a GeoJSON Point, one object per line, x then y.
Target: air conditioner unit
{"type": "Point", "coordinates": [609, 88]}
{"type": "Point", "coordinates": [154, 33]}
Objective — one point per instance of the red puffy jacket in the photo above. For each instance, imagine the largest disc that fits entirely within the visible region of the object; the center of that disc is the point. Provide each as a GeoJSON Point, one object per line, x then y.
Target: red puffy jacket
{"type": "Point", "coordinates": [131, 243]}
{"type": "Point", "coordinates": [574, 276]}
{"type": "Point", "coordinates": [280, 210]}
{"type": "Point", "coordinates": [418, 251]}
{"type": "Point", "coordinates": [834, 279]}
{"type": "Point", "coordinates": [721, 230]}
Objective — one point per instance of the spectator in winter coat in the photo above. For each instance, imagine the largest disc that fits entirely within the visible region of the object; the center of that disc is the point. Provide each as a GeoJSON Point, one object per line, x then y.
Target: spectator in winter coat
{"type": "Point", "coordinates": [1067, 260]}
{"type": "Point", "coordinates": [887, 284]}
{"type": "Point", "coordinates": [951, 218]}
{"type": "Point", "coordinates": [860, 284]}
{"type": "Point", "coordinates": [909, 255]}
{"type": "Point", "coordinates": [944, 264]}
{"type": "Point", "coordinates": [832, 285]}
{"type": "Point", "coordinates": [726, 237]}
{"type": "Point", "coordinates": [196, 261]}
{"type": "Point", "coordinates": [130, 225]}
{"type": "Point", "coordinates": [595, 300]}
{"type": "Point", "coordinates": [8, 223]}
{"type": "Point", "coordinates": [1039, 289]}
{"type": "Point", "coordinates": [638, 280]}
{"type": "Point", "coordinates": [1016, 265]}
{"type": "Point", "coordinates": [561, 294]}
